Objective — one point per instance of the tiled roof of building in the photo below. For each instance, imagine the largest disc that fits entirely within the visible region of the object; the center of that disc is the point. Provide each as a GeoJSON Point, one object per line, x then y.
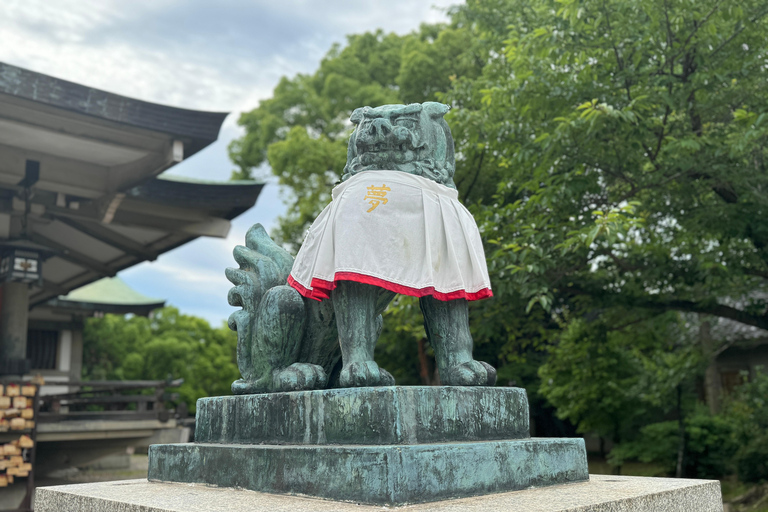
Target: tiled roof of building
{"type": "Point", "coordinates": [199, 125]}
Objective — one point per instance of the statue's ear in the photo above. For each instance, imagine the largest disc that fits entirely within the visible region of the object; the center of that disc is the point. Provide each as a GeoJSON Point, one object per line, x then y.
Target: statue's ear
{"type": "Point", "coordinates": [358, 114]}
{"type": "Point", "coordinates": [435, 109]}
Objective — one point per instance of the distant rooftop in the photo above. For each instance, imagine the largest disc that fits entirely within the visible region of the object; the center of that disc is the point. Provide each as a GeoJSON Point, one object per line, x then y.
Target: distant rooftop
{"type": "Point", "coordinates": [110, 290]}
{"type": "Point", "coordinates": [185, 179]}
{"type": "Point", "coordinates": [108, 295]}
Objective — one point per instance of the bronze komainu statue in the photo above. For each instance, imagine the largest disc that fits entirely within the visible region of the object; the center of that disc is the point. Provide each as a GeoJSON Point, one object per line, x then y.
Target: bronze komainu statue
{"type": "Point", "coordinates": [394, 226]}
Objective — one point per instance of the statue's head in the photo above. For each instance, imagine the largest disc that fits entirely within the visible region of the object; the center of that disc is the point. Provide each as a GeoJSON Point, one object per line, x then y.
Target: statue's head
{"type": "Point", "coordinates": [410, 138]}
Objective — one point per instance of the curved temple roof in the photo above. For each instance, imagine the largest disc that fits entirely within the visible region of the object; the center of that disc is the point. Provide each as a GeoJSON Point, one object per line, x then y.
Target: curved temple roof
{"type": "Point", "coordinates": [201, 127]}
{"type": "Point", "coordinates": [80, 179]}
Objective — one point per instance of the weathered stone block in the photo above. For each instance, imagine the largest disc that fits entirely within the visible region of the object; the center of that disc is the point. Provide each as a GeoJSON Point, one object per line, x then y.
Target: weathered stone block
{"type": "Point", "coordinates": [372, 415]}
{"type": "Point", "coordinates": [375, 474]}
{"type": "Point", "coordinates": [602, 493]}
{"type": "Point", "coordinates": [377, 445]}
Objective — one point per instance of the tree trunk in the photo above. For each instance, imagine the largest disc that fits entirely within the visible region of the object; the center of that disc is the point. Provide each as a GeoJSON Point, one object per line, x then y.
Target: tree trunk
{"type": "Point", "coordinates": [679, 472]}
{"type": "Point", "coordinates": [711, 376]}
{"type": "Point", "coordinates": [616, 442]}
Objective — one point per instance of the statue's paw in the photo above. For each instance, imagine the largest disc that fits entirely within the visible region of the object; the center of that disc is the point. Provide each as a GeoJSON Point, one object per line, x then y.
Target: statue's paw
{"type": "Point", "coordinates": [356, 375]}
{"type": "Point", "coordinates": [471, 373]}
{"type": "Point", "coordinates": [300, 376]}
{"type": "Point", "coordinates": [243, 387]}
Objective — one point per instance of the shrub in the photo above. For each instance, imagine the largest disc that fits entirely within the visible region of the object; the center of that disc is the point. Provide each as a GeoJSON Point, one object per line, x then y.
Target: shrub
{"type": "Point", "coordinates": [709, 446]}
{"type": "Point", "coordinates": [747, 410]}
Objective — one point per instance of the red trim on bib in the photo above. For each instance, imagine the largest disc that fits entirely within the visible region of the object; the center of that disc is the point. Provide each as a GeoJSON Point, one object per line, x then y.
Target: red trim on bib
{"type": "Point", "coordinates": [321, 289]}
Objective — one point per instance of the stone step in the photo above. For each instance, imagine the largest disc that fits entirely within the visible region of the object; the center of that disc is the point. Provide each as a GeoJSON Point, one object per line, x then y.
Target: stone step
{"type": "Point", "coordinates": [602, 493]}
{"type": "Point", "coordinates": [375, 474]}
{"type": "Point", "coordinates": [381, 415]}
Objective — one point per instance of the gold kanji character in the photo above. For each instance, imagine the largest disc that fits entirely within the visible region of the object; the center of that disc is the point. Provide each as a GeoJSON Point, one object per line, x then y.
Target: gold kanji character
{"type": "Point", "coordinates": [376, 196]}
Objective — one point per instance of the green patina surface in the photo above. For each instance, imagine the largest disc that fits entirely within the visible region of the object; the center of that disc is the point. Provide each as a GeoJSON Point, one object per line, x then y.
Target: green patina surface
{"type": "Point", "coordinates": [389, 474]}
{"type": "Point", "coordinates": [382, 415]}
{"type": "Point", "coordinates": [381, 445]}
{"type": "Point", "coordinates": [289, 343]}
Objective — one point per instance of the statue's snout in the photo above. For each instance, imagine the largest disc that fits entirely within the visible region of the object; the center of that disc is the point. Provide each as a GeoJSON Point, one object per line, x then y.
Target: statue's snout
{"type": "Point", "coordinates": [378, 129]}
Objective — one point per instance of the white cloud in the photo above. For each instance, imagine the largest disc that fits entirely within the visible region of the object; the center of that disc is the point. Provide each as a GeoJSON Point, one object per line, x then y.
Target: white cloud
{"type": "Point", "coordinates": [223, 56]}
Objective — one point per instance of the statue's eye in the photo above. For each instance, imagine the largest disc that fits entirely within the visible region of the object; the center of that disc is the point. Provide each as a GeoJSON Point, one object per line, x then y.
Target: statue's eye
{"type": "Point", "coordinates": [406, 122]}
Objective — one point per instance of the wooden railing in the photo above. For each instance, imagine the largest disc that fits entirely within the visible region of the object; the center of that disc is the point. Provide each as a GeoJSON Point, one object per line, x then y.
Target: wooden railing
{"type": "Point", "coordinates": [111, 400]}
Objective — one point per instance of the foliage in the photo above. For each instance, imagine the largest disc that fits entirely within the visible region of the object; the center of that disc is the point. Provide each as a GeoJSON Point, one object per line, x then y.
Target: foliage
{"type": "Point", "coordinates": [752, 460]}
{"type": "Point", "coordinates": [709, 448]}
{"type": "Point", "coordinates": [167, 344]}
{"type": "Point", "coordinates": [748, 411]}
{"type": "Point", "coordinates": [734, 440]}
{"type": "Point", "coordinates": [628, 142]}
{"type": "Point", "coordinates": [302, 130]}
{"type": "Point", "coordinates": [591, 378]}
{"type": "Point", "coordinates": [608, 374]}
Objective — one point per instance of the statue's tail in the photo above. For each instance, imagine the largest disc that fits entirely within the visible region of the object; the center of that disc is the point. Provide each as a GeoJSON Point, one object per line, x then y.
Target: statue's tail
{"type": "Point", "coordinates": [263, 265]}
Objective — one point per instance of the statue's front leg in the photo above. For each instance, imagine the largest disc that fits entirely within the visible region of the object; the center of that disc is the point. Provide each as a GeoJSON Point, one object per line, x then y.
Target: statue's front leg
{"type": "Point", "coordinates": [447, 326]}
{"type": "Point", "coordinates": [358, 309]}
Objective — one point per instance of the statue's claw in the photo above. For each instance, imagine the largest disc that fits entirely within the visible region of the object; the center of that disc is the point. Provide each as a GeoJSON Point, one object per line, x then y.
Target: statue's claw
{"type": "Point", "coordinates": [356, 375]}
{"type": "Point", "coordinates": [243, 387]}
{"type": "Point", "coordinates": [238, 319]}
{"type": "Point", "coordinates": [300, 376]}
{"type": "Point", "coordinates": [471, 373]}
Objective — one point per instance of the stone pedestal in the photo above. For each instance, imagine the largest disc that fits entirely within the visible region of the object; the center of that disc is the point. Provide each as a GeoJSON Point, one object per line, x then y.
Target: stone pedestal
{"type": "Point", "coordinates": [391, 445]}
{"type": "Point", "coordinates": [386, 415]}
{"type": "Point", "coordinates": [602, 493]}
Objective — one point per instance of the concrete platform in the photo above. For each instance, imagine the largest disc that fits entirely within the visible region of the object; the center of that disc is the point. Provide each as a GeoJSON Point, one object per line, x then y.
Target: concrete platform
{"type": "Point", "coordinates": [601, 493]}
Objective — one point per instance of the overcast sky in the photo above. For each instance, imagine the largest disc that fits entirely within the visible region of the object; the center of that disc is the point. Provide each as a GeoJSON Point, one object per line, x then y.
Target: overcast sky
{"type": "Point", "coordinates": [200, 54]}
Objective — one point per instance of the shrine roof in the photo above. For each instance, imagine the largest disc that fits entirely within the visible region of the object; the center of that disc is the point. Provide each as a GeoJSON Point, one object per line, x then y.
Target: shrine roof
{"type": "Point", "coordinates": [30, 85]}
{"type": "Point", "coordinates": [82, 179]}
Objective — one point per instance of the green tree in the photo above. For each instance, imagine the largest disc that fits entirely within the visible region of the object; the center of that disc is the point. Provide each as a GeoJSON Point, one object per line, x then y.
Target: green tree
{"type": "Point", "coordinates": [302, 131]}
{"type": "Point", "coordinates": [747, 411]}
{"type": "Point", "coordinates": [169, 343]}
{"type": "Point", "coordinates": [629, 143]}
{"type": "Point", "coordinates": [613, 153]}
{"type": "Point", "coordinates": [592, 378]}
{"type": "Point", "coordinates": [621, 370]}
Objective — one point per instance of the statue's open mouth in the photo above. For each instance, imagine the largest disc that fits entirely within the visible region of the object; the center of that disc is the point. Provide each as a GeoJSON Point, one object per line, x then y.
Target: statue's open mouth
{"type": "Point", "coordinates": [385, 147]}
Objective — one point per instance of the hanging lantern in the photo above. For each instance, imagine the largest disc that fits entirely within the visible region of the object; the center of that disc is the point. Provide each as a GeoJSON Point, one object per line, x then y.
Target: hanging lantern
{"type": "Point", "coordinates": [20, 265]}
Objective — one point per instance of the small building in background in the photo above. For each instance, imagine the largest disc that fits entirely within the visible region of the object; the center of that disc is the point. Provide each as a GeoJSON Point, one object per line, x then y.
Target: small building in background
{"type": "Point", "coordinates": [83, 196]}
{"type": "Point", "coordinates": [55, 335]}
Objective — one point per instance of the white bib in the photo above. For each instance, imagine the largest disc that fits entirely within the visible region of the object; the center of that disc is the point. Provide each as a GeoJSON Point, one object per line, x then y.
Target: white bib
{"type": "Point", "coordinates": [394, 230]}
